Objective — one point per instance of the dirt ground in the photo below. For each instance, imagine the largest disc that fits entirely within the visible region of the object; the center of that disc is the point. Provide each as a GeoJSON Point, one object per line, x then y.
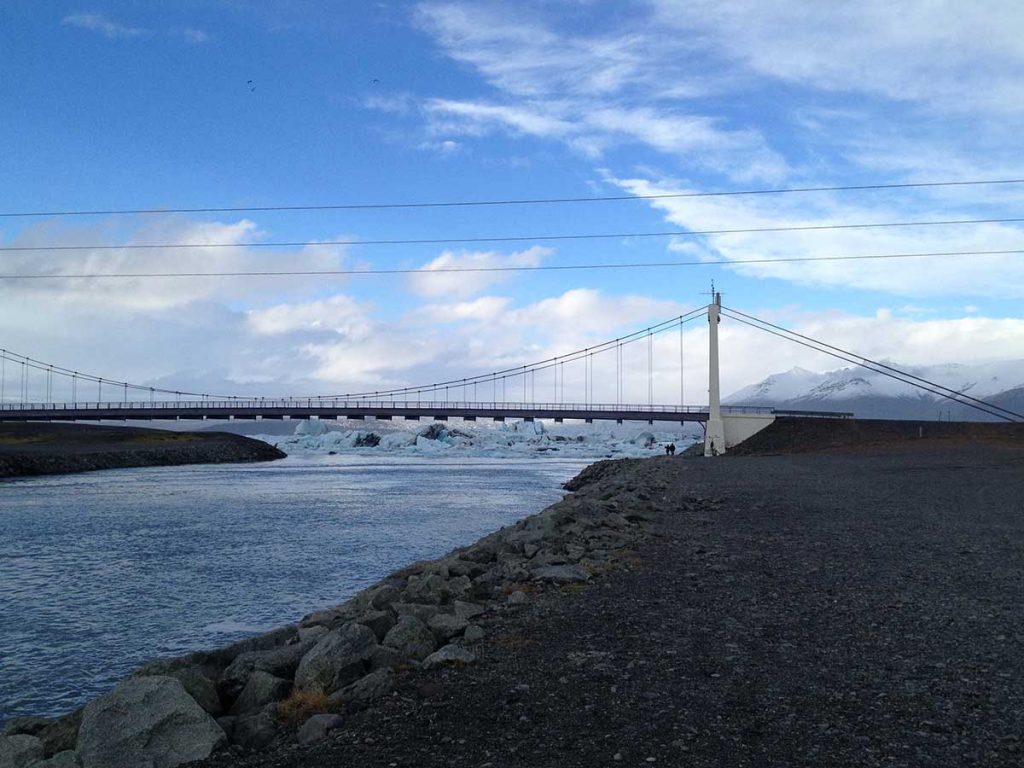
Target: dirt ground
{"type": "Point", "coordinates": [56, 448]}
{"type": "Point", "coordinates": [833, 609]}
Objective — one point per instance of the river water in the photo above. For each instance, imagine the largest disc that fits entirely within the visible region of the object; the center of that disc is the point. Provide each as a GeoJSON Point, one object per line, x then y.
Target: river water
{"type": "Point", "coordinates": [100, 572]}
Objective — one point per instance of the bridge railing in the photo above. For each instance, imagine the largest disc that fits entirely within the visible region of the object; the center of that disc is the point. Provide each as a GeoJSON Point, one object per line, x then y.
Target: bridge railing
{"type": "Point", "coordinates": [307, 404]}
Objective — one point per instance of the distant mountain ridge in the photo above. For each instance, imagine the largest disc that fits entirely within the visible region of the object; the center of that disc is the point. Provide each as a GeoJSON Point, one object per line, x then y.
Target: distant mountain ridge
{"type": "Point", "coordinates": [869, 394]}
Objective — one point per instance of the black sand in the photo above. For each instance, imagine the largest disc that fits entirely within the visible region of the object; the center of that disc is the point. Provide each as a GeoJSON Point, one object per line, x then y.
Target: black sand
{"type": "Point", "coordinates": [51, 448]}
{"type": "Point", "coordinates": [855, 609]}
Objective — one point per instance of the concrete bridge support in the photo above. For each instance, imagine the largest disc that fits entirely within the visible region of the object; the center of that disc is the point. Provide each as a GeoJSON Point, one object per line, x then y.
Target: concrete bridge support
{"type": "Point", "coordinates": [714, 435]}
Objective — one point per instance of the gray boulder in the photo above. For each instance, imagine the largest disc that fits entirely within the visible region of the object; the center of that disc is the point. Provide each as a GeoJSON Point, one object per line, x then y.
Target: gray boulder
{"type": "Point", "coordinates": [62, 734]}
{"type": "Point", "coordinates": [411, 638]}
{"type": "Point", "coordinates": [227, 723]}
{"type": "Point", "coordinates": [279, 662]}
{"type": "Point", "coordinates": [256, 731]}
{"type": "Point", "coordinates": [262, 689]}
{"type": "Point", "coordinates": [365, 689]}
{"type": "Point", "coordinates": [446, 626]}
{"type": "Point", "coordinates": [450, 654]}
{"type": "Point", "coordinates": [378, 621]}
{"type": "Point", "coordinates": [419, 610]}
{"type": "Point", "coordinates": [199, 687]}
{"type": "Point", "coordinates": [26, 725]}
{"type": "Point", "coordinates": [317, 728]}
{"type": "Point", "coordinates": [561, 574]}
{"type": "Point", "coordinates": [149, 722]}
{"type": "Point", "coordinates": [65, 759]}
{"type": "Point", "coordinates": [428, 588]}
{"type": "Point", "coordinates": [20, 751]}
{"type": "Point", "coordinates": [467, 610]}
{"type": "Point", "coordinates": [339, 658]}
{"type": "Point", "coordinates": [385, 657]}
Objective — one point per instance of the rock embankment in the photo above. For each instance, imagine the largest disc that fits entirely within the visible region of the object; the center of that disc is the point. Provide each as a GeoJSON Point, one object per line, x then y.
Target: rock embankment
{"type": "Point", "coordinates": [297, 683]}
{"type": "Point", "coordinates": [48, 449]}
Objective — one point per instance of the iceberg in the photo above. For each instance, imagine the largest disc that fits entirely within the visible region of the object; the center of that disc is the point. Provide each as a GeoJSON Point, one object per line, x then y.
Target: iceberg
{"type": "Point", "coordinates": [520, 439]}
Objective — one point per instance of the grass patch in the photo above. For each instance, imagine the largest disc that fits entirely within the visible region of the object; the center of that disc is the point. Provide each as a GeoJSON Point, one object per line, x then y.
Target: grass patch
{"type": "Point", "coordinates": [573, 589]}
{"type": "Point", "coordinates": [512, 642]}
{"type": "Point", "coordinates": [301, 705]}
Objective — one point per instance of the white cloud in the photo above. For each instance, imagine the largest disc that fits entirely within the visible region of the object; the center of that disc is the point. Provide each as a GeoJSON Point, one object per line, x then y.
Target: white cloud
{"type": "Point", "coordinates": [484, 308]}
{"type": "Point", "coordinates": [432, 280]}
{"type": "Point", "coordinates": [951, 56]}
{"type": "Point", "coordinates": [155, 294]}
{"type": "Point", "coordinates": [338, 314]}
{"type": "Point", "coordinates": [196, 36]}
{"type": "Point", "coordinates": [591, 91]}
{"type": "Point", "coordinates": [989, 275]}
{"type": "Point", "coordinates": [95, 22]}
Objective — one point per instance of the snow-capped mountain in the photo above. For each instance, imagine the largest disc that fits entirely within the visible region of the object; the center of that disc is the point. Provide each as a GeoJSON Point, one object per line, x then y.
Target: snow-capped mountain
{"type": "Point", "coordinates": [870, 394]}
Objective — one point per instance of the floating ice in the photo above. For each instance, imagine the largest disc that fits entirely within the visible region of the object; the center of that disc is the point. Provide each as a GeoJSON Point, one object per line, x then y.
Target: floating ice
{"type": "Point", "coordinates": [502, 439]}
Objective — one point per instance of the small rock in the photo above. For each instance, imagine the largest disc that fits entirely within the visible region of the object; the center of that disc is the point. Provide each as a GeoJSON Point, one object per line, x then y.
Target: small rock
{"type": "Point", "coordinates": [518, 598]}
{"type": "Point", "coordinates": [20, 751]}
{"type": "Point", "coordinates": [474, 633]}
{"type": "Point", "coordinates": [317, 728]}
{"type": "Point", "coordinates": [448, 655]}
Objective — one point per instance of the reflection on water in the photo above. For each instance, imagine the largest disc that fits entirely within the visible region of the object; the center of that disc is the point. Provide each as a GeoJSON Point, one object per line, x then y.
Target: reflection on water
{"type": "Point", "coordinates": [100, 572]}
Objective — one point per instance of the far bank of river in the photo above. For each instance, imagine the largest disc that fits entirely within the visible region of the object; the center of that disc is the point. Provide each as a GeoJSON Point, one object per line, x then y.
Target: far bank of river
{"type": "Point", "coordinates": [100, 572]}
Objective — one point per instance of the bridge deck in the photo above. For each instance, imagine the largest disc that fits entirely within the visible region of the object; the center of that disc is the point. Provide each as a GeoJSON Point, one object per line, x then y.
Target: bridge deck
{"type": "Point", "coordinates": [381, 410]}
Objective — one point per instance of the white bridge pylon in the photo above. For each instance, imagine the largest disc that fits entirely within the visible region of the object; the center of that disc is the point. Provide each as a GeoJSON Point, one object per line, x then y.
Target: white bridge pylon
{"type": "Point", "coordinates": [722, 432]}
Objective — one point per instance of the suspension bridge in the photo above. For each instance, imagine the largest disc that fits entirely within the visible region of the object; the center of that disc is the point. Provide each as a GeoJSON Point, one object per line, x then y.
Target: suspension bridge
{"type": "Point", "coordinates": [596, 379]}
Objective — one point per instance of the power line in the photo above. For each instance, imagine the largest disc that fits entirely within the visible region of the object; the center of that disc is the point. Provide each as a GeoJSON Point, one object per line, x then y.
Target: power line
{"type": "Point", "coordinates": [880, 365]}
{"type": "Point", "coordinates": [884, 370]}
{"type": "Point", "coordinates": [504, 239]}
{"type": "Point", "coordinates": [449, 270]}
{"type": "Point", "coordinates": [513, 201]}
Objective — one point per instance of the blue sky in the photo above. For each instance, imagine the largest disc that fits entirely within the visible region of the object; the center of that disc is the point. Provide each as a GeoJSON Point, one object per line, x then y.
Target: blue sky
{"type": "Point", "coordinates": [111, 105]}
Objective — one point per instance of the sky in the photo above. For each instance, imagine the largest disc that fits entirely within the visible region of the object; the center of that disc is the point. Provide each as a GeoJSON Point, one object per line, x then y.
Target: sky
{"type": "Point", "coordinates": [227, 104]}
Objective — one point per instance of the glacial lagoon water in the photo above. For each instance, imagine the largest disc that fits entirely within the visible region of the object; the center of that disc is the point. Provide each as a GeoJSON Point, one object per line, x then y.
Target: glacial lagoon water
{"type": "Point", "coordinates": [103, 571]}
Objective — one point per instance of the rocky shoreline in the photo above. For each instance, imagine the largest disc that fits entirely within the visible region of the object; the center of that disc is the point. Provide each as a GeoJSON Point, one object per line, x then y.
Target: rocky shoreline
{"type": "Point", "coordinates": [295, 684]}
{"type": "Point", "coordinates": [29, 449]}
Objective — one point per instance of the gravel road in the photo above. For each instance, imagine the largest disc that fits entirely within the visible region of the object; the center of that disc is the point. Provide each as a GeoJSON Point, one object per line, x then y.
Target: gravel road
{"type": "Point", "coordinates": [812, 610]}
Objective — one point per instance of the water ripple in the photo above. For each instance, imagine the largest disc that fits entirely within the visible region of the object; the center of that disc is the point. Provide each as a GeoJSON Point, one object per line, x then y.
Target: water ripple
{"type": "Point", "coordinates": [102, 572]}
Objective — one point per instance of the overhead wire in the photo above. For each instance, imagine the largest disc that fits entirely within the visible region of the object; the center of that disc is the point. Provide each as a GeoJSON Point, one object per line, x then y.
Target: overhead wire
{"type": "Point", "coordinates": [451, 270]}
{"type": "Point", "coordinates": [888, 371]}
{"type": "Point", "coordinates": [503, 239]}
{"type": "Point", "coordinates": [509, 201]}
{"type": "Point", "coordinates": [921, 379]}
